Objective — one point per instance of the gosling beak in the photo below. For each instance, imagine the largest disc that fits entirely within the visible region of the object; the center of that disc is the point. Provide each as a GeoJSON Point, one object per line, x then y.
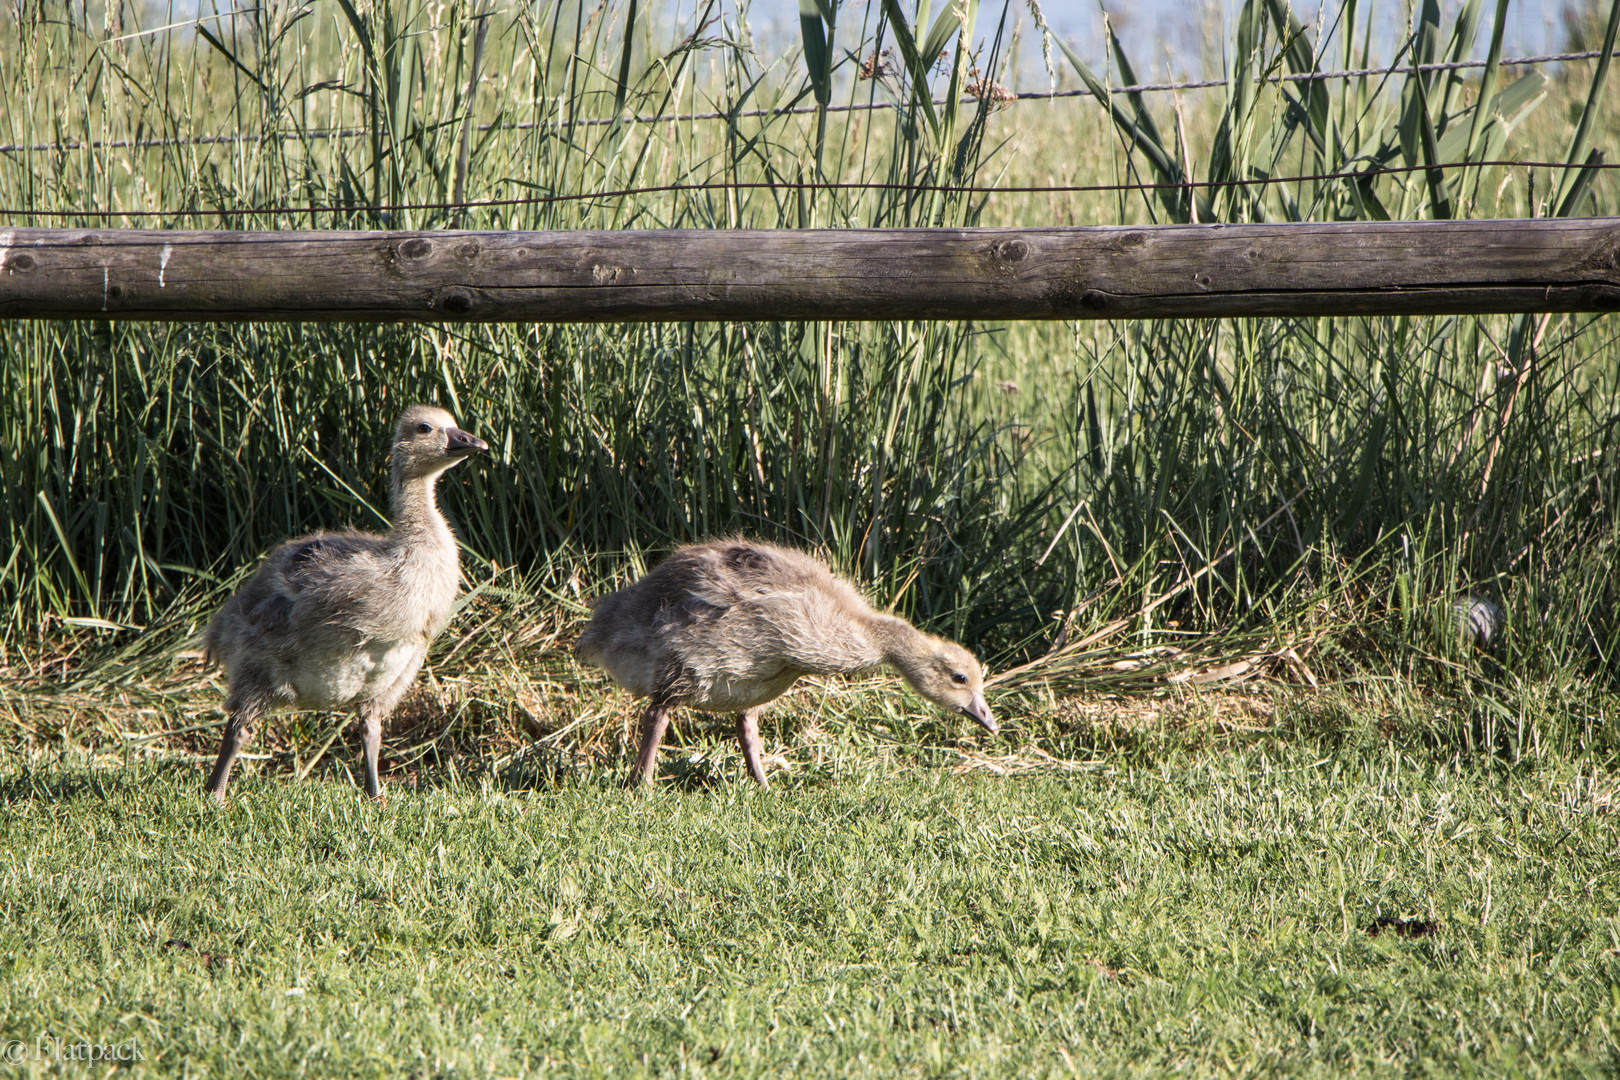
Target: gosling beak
{"type": "Point", "coordinates": [979, 710]}
{"type": "Point", "coordinates": [463, 443]}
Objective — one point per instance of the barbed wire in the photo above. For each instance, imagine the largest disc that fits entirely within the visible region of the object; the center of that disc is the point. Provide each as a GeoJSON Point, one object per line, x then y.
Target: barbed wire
{"type": "Point", "coordinates": [805, 185]}
{"type": "Point", "coordinates": [330, 134]}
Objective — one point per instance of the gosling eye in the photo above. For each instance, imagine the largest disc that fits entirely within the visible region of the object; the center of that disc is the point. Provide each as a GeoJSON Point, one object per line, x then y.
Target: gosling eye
{"type": "Point", "coordinates": [425, 429]}
{"type": "Point", "coordinates": [958, 678]}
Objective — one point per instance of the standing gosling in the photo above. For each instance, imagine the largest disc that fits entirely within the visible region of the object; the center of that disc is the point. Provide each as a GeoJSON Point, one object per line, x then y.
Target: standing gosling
{"type": "Point", "coordinates": [729, 626]}
{"type": "Point", "coordinates": [340, 619]}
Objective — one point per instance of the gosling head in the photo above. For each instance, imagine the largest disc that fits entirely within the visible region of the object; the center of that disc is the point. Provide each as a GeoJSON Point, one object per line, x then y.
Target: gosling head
{"type": "Point", "coordinates": [950, 677]}
{"type": "Point", "coordinates": [427, 442]}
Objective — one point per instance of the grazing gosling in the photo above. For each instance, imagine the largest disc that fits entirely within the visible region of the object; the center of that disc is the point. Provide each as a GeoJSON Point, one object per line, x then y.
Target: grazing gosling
{"type": "Point", "coordinates": [340, 619]}
{"type": "Point", "coordinates": [729, 626]}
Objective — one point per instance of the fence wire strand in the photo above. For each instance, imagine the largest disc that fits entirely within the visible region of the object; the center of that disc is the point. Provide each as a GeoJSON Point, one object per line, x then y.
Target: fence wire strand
{"type": "Point", "coordinates": [797, 185]}
{"type": "Point", "coordinates": [329, 134]}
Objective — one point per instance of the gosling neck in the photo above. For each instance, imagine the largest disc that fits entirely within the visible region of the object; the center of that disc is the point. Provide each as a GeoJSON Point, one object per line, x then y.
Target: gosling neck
{"type": "Point", "coordinates": [417, 518]}
{"type": "Point", "coordinates": [899, 644]}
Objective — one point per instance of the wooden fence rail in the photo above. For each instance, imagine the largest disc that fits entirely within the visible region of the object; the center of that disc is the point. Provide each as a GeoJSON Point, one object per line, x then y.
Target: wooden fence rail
{"type": "Point", "coordinates": [1175, 271]}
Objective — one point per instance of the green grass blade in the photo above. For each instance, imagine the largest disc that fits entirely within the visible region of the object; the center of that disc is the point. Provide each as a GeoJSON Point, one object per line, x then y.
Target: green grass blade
{"type": "Point", "coordinates": [817, 52]}
{"type": "Point", "coordinates": [1458, 48]}
{"type": "Point", "coordinates": [921, 96]}
{"type": "Point", "coordinates": [1484, 117]}
{"type": "Point", "coordinates": [1228, 154]}
{"type": "Point", "coordinates": [946, 23]}
{"type": "Point", "coordinates": [361, 29]}
{"type": "Point", "coordinates": [1570, 204]}
{"type": "Point", "coordinates": [1566, 199]}
{"type": "Point", "coordinates": [626, 50]}
{"type": "Point", "coordinates": [1301, 60]}
{"type": "Point", "coordinates": [1160, 160]}
{"type": "Point", "coordinates": [1506, 108]}
{"type": "Point", "coordinates": [66, 547]}
{"type": "Point", "coordinates": [1440, 205]}
{"type": "Point", "coordinates": [1425, 40]}
{"type": "Point", "coordinates": [203, 32]}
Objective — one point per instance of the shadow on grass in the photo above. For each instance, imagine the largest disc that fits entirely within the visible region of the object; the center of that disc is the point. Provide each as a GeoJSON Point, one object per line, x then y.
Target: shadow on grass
{"type": "Point", "coordinates": [69, 783]}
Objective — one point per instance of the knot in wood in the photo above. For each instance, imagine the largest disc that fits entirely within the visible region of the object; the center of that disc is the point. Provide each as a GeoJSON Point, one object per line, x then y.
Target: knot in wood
{"type": "Point", "coordinates": [1012, 251]}
{"type": "Point", "coordinates": [21, 264]}
{"type": "Point", "coordinates": [417, 247]}
{"type": "Point", "coordinates": [458, 302]}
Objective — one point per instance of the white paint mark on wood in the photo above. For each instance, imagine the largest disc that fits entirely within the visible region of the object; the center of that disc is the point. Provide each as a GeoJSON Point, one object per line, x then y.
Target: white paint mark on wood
{"type": "Point", "coordinates": [106, 283]}
{"type": "Point", "coordinates": [163, 262]}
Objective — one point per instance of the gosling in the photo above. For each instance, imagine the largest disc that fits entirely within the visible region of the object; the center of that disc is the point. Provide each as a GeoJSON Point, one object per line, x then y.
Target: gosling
{"type": "Point", "coordinates": [343, 619]}
{"type": "Point", "coordinates": [729, 626]}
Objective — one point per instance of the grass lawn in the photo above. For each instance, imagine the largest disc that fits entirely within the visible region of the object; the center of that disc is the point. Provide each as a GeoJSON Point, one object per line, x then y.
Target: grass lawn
{"type": "Point", "coordinates": [1258, 906]}
{"type": "Point", "coordinates": [1414, 872]}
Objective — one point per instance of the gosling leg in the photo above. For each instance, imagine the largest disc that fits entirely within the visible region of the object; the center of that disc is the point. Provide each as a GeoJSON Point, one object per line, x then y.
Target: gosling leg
{"type": "Point", "coordinates": [371, 739]}
{"type": "Point", "coordinates": [372, 715]}
{"type": "Point", "coordinates": [654, 722]}
{"type": "Point", "coordinates": [243, 718]}
{"type": "Point", "coordinates": [748, 739]}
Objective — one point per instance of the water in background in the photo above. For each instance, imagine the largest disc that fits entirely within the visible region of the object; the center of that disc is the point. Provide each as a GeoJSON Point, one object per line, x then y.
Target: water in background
{"type": "Point", "coordinates": [1176, 39]}
{"type": "Point", "coordinates": [1172, 33]}
{"type": "Point", "coordinates": [1165, 39]}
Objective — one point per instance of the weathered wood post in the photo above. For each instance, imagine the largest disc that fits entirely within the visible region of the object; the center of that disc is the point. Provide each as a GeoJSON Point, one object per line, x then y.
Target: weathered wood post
{"type": "Point", "coordinates": [1361, 268]}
